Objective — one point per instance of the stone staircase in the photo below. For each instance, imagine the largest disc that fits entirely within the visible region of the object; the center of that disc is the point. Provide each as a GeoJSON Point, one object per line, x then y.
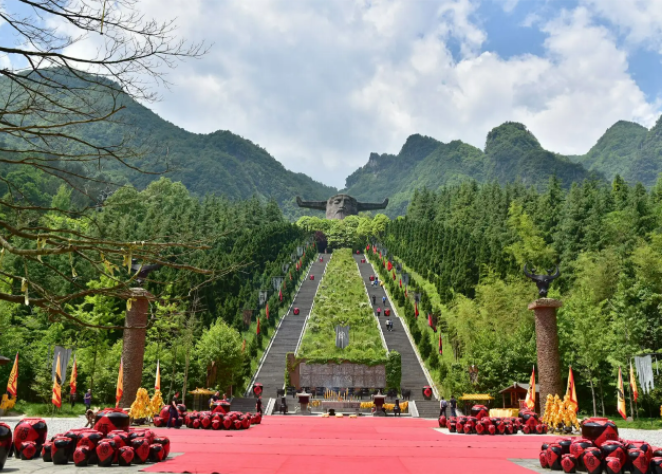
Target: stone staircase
{"type": "Point", "coordinates": [245, 404]}
{"type": "Point", "coordinates": [413, 377]}
{"type": "Point", "coordinates": [271, 374]}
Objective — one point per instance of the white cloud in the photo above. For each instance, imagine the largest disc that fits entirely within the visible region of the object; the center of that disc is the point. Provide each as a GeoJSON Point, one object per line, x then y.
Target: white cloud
{"type": "Point", "coordinates": [322, 84]}
{"type": "Point", "coordinates": [639, 20]}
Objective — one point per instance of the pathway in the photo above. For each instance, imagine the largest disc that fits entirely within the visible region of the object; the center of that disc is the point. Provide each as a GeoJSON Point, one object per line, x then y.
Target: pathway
{"type": "Point", "coordinates": [413, 377]}
{"type": "Point", "coordinates": [272, 372]}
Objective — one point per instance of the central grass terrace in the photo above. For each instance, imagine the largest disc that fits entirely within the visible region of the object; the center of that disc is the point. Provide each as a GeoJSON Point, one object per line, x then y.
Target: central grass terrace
{"type": "Point", "coordinates": [341, 300]}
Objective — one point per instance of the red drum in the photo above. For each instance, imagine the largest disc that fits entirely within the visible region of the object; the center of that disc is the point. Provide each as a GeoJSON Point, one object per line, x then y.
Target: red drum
{"type": "Point", "coordinates": [296, 311]}
{"type": "Point", "coordinates": [165, 442]}
{"type": "Point", "coordinates": [45, 452]}
{"type": "Point", "coordinates": [569, 463]}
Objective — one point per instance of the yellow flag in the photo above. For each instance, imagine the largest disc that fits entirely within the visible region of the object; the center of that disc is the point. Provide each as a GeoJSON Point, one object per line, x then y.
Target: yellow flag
{"type": "Point", "coordinates": [12, 384]}
{"type": "Point", "coordinates": [571, 392]}
{"type": "Point", "coordinates": [120, 385]}
{"type": "Point", "coordinates": [620, 393]}
{"type": "Point", "coordinates": [57, 385]}
{"type": "Point", "coordinates": [530, 400]}
{"type": "Point", "coordinates": [157, 383]}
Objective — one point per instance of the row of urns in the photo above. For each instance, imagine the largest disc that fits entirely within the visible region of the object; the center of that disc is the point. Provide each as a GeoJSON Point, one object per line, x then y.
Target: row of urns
{"type": "Point", "coordinates": [83, 447]}
{"type": "Point", "coordinates": [486, 425]}
{"type": "Point", "coordinates": [611, 456]}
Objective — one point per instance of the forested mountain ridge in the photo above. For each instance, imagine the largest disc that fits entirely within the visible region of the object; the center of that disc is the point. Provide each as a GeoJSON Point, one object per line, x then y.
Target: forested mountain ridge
{"type": "Point", "coordinates": [220, 163]}
{"type": "Point", "coordinates": [629, 150]}
{"type": "Point", "coordinates": [511, 154]}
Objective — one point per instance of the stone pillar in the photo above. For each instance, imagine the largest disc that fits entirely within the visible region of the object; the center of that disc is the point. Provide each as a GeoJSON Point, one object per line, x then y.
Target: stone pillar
{"type": "Point", "coordinates": [547, 343]}
{"type": "Point", "coordinates": [133, 350]}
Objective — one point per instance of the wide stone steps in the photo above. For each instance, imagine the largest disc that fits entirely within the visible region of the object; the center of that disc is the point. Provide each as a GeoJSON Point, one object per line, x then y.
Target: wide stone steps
{"type": "Point", "coordinates": [272, 372]}
{"type": "Point", "coordinates": [413, 377]}
{"type": "Point", "coordinates": [245, 404]}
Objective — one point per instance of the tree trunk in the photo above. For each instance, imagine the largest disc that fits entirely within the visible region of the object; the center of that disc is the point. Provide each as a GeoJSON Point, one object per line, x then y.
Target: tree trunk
{"type": "Point", "coordinates": [595, 408]}
{"type": "Point", "coordinates": [94, 367]}
{"type": "Point", "coordinates": [184, 385]}
{"type": "Point", "coordinates": [133, 350]}
{"type": "Point", "coordinates": [602, 398]}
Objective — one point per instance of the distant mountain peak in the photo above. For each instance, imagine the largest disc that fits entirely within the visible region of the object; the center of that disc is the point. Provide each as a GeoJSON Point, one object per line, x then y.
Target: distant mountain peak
{"type": "Point", "coordinates": [512, 134]}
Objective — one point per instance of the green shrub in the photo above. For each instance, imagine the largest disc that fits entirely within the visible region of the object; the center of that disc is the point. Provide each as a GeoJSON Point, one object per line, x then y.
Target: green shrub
{"type": "Point", "coordinates": [433, 361]}
{"type": "Point", "coordinates": [393, 370]}
{"type": "Point", "coordinates": [425, 347]}
{"type": "Point", "coordinates": [341, 300]}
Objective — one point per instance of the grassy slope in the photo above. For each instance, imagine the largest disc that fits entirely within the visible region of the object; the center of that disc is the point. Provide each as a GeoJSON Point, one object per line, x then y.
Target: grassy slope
{"type": "Point", "coordinates": [341, 300]}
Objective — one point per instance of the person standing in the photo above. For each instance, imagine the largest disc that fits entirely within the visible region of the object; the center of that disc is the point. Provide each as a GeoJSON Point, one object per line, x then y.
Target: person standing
{"type": "Point", "coordinates": [453, 406]}
{"type": "Point", "coordinates": [384, 300]}
{"type": "Point", "coordinates": [72, 398]}
{"type": "Point", "coordinates": [87, 400]}
{"type": "Point", "coordinates": [174, 412]}
{"type": "Point", "coordinates": [374, 300]}
{"type": "Point", "coordinates": [379, 312]}
{"type": "Point", "coordinates": [397, 410]}
{"type": "Point", "coordinates": [258, 405]}
{"type": "Point", "coordinates": [443, 404]}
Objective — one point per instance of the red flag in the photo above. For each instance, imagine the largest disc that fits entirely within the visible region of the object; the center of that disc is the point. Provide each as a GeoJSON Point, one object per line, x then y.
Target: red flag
{"type": "Point", "coordinates": [257, 331]}
{"type": "Point", "coordinates": [74, 376]}
{"type": "Point", "coordinates": [394, 275]}
{"type": "Point", "coordinates": [374, 249]}
{"type": "Point", "coordinates": [367, 247]}
{"type": "Point", "coordinates": [12, 385]}
{"type": "Point", "coordinates": [390, 266]}
{"type": "Point", "coordinates": [384, 263]}
{"type": "Point", "coordinates": [416, 308]}
{"type": "Point", "coordinates": [400, 282]}
{"type": "Point", "coordinates": [267, 310]}
{"type": "Point", "coordinates": [280, 295]}
{"type": "Point", "coordinates": [441, 347]}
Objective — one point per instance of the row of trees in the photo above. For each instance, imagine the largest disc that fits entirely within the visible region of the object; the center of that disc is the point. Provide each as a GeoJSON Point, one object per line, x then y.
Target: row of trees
{"type": "Point", "coordinates": [246, 244]}
{"type": "Point", "coordinates": [469, 244]}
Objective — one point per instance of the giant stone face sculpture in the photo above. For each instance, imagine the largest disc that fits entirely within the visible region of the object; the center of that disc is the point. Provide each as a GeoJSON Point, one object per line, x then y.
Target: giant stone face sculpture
{"type": "Point", "coordinates": [341, 206]}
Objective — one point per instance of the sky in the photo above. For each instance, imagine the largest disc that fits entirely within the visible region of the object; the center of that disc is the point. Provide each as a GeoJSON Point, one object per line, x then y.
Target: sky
{"type": "Point", "coordinates": [321, 84]}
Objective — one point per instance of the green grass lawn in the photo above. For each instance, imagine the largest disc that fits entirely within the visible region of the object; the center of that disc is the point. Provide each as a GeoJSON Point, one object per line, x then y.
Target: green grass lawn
{"type": "Point", "coordinates": [46, 410]}
{"type": "Point", "coordinates": [341, 300]}
{"type": "Point", "coordinates": [639, 424]}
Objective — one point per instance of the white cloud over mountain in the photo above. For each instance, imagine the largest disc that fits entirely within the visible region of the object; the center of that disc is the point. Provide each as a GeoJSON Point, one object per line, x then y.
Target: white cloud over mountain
{"type": "Point", "coordinates": [321, 84]}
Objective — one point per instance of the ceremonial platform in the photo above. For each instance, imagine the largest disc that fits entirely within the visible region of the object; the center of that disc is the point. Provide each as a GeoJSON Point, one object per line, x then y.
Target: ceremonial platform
{"type": "Point", "coordinates": [314, 445]}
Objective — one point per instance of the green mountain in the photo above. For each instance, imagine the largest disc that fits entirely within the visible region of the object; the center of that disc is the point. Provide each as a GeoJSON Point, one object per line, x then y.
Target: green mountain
{"type": "Point", "coordinates": [219, 163]}
{"type": "Point", "coordinates": [629, 150]}
{"type": "Point", "coordinates": [511, 153]}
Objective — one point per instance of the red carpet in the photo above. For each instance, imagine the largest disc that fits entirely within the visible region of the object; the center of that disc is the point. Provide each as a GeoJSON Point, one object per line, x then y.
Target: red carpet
{"type": "Point", "coordinates": [303, 445]}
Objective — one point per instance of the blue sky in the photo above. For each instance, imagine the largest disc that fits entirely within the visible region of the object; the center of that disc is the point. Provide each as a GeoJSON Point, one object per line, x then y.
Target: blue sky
{"type": "Point", "coordinates": [321, 84]}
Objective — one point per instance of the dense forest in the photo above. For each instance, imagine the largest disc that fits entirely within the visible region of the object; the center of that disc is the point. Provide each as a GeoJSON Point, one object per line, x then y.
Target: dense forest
{"type": "Point", "coordinates": [196, 320]}
{"type": "Point", "coordinates": [465, 247]}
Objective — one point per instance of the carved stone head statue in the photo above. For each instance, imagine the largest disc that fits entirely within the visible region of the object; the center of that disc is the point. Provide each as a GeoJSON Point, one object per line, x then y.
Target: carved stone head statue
{"type": "Point", "coordinates": [341, 206]}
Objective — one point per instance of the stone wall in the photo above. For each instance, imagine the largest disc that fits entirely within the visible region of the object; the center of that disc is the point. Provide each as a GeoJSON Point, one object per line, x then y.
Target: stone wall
{"type": "Point", "coordinates": [340, 375]}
